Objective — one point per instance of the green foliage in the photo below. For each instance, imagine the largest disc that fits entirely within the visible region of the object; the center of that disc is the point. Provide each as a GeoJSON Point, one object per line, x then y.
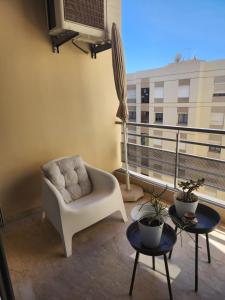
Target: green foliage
{"type": "Point", "coordinates": [188, 187]}
{"type": "Point", "coordinates": [159, 208]}
{"type": "Point", "coordinates": [160, 211]}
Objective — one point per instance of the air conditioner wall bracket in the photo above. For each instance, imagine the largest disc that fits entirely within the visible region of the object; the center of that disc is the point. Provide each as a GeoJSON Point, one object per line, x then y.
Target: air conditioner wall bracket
{"type": "Point", "coordinates": [61, 39]}
{"type": "Point", "coordinates": [99, 48]}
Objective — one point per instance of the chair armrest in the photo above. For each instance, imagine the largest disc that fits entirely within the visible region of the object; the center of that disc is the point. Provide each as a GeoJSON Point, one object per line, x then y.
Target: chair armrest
{"type": "Point", "coordinates": [101, 179]}
{"type": "Point", "coordinates": [51, 196]}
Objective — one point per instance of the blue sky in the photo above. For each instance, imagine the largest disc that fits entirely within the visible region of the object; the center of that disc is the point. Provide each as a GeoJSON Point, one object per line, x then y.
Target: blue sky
{"type": "Point", "coordinates": [155, 30]}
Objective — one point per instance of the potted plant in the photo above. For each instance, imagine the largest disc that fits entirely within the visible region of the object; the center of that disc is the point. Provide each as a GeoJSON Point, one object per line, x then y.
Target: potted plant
{"type": "Point", "coordinates": [151, 222]}
{"type": "Point", "coordinates": [186, 201]}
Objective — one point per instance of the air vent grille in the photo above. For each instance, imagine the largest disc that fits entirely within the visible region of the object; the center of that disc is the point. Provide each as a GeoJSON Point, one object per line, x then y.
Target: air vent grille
{"type": "Point", "coordinates": [86, 12]}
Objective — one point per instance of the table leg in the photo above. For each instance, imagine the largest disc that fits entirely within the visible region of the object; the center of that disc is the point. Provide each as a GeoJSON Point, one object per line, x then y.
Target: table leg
{"type": "Point", "coordinates": [168, 277]}
{"type": "Point", "coordinates": [153, 262]}
{"type": "Point", "coordinates": [170, 254]}
{"type": "Point", "coordinates": [196, 262]}
{"type": "Point", "coordinates": [208, 249]}
{"type": "Point", "coordinates": [134, 272]}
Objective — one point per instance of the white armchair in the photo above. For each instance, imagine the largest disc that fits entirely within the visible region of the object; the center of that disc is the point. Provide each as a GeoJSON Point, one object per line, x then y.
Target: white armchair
{"type": "Point", "coordinates": [68, 218]}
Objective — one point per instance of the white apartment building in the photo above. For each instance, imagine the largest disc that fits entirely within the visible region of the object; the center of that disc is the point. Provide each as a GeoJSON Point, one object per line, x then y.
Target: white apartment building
{"type": "Point", "coordinates": [186, 93]}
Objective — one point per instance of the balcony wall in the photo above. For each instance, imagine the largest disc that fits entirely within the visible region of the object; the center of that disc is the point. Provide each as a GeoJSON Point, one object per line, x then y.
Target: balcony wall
{"type": "Point", "coordinates": [52, 105]}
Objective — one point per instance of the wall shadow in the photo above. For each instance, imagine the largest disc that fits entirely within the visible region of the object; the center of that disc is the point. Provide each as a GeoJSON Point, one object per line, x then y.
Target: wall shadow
{"type": "Point", "coordinates": [22, 196]}
{"type": "Point", "coordinates": [35, 13]}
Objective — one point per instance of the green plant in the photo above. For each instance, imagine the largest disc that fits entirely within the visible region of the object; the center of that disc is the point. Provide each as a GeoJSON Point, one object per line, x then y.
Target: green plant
{"type": "Point", "coordinates": [159, 209]}
{"type": "Point", "coordinates": [160, 212]}
{"type": "Point", "coordinates": [188, 187]}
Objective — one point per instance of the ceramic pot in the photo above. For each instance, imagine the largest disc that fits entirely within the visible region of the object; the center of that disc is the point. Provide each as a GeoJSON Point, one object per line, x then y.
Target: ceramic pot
{"type": "Point", "coordinates": [183, 207]}
{"type": "Point", "coordinates": [150, 235]}
{"type": "Point", "coordinates": [139, 211]}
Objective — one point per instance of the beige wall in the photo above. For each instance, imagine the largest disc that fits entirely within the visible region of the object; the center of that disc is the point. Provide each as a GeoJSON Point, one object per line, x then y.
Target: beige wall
{"type": "Point", "coordinates": [52, 105]}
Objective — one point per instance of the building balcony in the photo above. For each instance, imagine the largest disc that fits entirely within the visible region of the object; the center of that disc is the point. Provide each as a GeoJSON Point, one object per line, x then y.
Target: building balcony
{"type": "Point", "coordinates": [63, 104]}
{"type": "Point", "coordinates": [102, 260]}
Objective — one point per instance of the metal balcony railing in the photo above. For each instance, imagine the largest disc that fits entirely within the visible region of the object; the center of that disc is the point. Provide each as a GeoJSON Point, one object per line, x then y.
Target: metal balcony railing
{"type": "Point", "coordinates": [175, 163]}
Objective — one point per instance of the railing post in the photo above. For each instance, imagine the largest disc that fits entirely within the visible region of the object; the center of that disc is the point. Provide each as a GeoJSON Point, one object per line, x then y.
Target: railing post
{"type": "Point", "coordinates": [126, 155]}
{"type": "Point", "coordinates": [176, 159]}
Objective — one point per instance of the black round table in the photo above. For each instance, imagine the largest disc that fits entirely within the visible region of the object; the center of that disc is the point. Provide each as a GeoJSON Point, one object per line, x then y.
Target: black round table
{"type": "Point", "coordinates": [167, 242]}
{"type": "Point", "coordinates": [207, 219]}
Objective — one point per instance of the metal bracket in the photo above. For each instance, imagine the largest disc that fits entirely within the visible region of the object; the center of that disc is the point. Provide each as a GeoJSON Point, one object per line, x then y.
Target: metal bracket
{"type": "Point", "coordinates": [95, 48]}
{"type": "Point", "coordinates": [61, 39]}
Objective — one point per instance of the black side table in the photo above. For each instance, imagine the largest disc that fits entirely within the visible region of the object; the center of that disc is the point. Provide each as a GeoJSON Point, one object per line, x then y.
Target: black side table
{"type": "Point", "coordinates": [208, 219]}
{"type": "Point", "coordinates": [167, 242]}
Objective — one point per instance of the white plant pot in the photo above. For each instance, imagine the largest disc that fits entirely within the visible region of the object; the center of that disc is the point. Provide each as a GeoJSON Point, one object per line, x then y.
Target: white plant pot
{"type": "Point", "coordinates": [139, 211]}
{"type": "Point", "coordinates": [150, 235]}
{"type": "Point", "coordinates": [183, 207]}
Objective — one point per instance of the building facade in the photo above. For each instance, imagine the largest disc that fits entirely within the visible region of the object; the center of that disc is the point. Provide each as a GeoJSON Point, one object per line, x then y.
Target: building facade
{"type": "Point", "coordinates": [187, 93]}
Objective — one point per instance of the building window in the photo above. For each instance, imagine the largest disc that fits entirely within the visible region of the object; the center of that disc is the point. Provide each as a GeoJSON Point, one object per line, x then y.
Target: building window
{"type": "Point", "coordinates": [158, 117]}
{"type": "Point", "coordinates": [131, 93]}
{"type": "Point", "coordinates": [159, 91]}
{"type": "Point", "coordinates": [184, 90]}
{"type": "Point", "coordinates": [144, 95]}
{"type": "Point", "coordinates": [145, 117]}
{"type": "Point", "coordinates": [183, 119]}
{"type": "Point", "coordinates": [217, 119]}
{"type": "Point", "coordinates": [219, 86]}
{"type": "Point", "coordinates": [214, 149]}
{"type": "Point", "coordinates": [144, 140]}
{"type": "Point", "coordinates": [219, 94]}
{"type": "Point", "coordinates": [132, 116]}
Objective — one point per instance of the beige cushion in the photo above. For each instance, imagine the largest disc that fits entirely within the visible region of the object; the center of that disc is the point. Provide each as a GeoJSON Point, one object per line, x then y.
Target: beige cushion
{"type": "Point", "coordinates": [70, 177]}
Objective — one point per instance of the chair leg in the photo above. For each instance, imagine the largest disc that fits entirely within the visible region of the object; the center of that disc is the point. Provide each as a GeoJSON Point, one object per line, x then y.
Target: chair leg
{"type": "Point", "coordinates": [124, 214]}
{"type": "Point", "coordinates": [208, 249]}
{"type": "Point", "coordinates": [168, 277]}
{"type": "Point", "coordinates": [153, 262]}
{"type": "Point", "coordinates": [134, 272]}
{"type": "Point", "coordinates": [67, 244]}
{"type": "Point", "coordinates": [170, 254]}
{"type": "Point", "coordinates": [196, 262]}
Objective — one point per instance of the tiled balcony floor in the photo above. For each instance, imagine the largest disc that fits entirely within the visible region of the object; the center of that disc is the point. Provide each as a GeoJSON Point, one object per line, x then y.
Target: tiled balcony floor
{"type": "Point", "coordinates": [102, 262]}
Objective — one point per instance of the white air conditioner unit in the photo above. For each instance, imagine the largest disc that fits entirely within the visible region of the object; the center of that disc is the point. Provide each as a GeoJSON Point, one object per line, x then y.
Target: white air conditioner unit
{"type": "Point", "coordinates": [91, 19]}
